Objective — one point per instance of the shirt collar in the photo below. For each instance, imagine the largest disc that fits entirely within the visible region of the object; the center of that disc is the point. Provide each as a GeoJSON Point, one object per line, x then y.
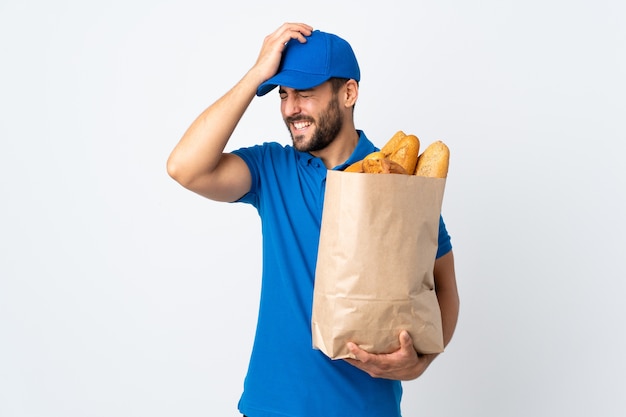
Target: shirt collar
{"type": "Point", "coordinates": [363, 148]}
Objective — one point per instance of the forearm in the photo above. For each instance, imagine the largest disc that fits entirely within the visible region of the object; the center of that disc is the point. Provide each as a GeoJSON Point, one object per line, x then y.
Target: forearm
{"type": "Point", "coordinates": [449, 306]}
{"type": "Point", "coordinates": [200, 149]}
{"type": "Point", "coordinates": [447, 295]}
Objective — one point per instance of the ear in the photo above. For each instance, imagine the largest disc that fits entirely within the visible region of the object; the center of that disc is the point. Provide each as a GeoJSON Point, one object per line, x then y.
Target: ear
{"type": "Point", "coordinates": [351, 93]}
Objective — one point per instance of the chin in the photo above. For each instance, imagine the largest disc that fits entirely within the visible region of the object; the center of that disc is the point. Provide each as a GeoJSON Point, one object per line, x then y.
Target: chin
{"type": "Point", "coordinates": [300, 141]}
{"type": "Point", "coordinates": [299, 146]}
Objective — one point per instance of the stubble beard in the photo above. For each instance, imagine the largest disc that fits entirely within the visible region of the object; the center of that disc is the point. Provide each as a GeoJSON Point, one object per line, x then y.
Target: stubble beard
{"type": "Point", "coordinates": [327, 127]}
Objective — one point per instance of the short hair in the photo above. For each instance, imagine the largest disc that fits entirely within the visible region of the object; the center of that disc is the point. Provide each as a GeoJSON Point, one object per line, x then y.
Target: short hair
{"type": "Point", "coordinates": [336, 83]}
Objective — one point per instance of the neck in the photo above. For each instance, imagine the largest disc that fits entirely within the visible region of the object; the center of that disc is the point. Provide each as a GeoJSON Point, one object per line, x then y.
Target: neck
{"type": "Point", "coordinates": [340, 149]}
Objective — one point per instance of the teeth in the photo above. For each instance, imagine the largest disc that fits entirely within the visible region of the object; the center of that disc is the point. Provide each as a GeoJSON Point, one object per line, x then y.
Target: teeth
{"type": "Point", "coordinates": [301, 125]}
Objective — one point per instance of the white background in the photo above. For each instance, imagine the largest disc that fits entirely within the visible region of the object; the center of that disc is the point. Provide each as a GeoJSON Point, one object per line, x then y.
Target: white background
{"type": "Point", "coordinates": [122, 294]}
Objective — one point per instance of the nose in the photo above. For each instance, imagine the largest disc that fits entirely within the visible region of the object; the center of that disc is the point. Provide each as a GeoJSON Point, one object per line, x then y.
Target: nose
{"type": "Point", "coordinates": [290, 105]}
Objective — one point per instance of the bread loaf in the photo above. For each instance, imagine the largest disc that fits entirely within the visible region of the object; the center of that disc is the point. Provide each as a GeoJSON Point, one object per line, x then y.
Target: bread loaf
{"type": "Point", "coordinates": [378, 163]}
{"type": "Point", "coordinates": [355, 167]}
{"type": "Point", "coordinates": [392, 144]}
{"type": "Point", "coordinates": [434, 161]}
{"type": "Point", "coordinates": [400, 155]}
{"type": "Point", "coordinates": [406, 152]}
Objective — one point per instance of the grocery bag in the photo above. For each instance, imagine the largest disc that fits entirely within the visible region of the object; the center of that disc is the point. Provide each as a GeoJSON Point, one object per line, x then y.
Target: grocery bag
{"type": "Point", "coordinates": [374, 273]}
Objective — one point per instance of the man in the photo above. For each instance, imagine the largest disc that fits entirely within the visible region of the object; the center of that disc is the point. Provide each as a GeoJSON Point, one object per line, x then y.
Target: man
{"type": "Point", "coordinates": [317, 76]}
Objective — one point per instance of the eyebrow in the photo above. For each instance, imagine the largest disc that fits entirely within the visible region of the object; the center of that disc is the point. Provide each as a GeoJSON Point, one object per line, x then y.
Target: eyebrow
{"type": "Point", "coordinates": [282, 91]}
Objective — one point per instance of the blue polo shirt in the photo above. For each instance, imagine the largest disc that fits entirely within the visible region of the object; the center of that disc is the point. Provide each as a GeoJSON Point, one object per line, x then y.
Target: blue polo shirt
{"type": "Point", "coordinates": [286, 376]}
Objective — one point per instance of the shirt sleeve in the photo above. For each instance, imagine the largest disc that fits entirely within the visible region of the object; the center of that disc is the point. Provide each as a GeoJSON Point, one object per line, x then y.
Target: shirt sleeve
{"type": "Point", "coordinates": [445, 244]}
{"type": "Point", "coordinates": [251, 156]}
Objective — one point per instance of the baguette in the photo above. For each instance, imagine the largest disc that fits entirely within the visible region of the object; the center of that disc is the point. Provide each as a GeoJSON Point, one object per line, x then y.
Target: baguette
{"type": "Point", "coordinates": [406, 153]}
{"type": "Point", "coordinates": [434, 161]}
{"type": "Point", "coordinates": [392, 144]}
{"type": "Point", "coordinates": [400, 155]}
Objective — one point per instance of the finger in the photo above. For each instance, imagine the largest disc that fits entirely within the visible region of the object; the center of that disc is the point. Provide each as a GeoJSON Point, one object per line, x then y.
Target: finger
{"type": "Point", "coordinates": [405, 340]}
{"type": "Point", "coordinates": [297, 31]}
{"type": "Point", "coordinates": [406, 344]}
{"type": "Point", "coordinates": [357, 352]}
{"type": "Point", "coordinates": [299, 27]}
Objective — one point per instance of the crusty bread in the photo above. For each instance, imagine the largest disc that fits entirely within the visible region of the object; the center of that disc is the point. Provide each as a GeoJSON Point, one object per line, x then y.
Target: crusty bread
{"type": "Point", "coordinates": [373, 163]}
{"type": "Point", "coordinates": [392, 143]}
{"type": "Point", "coordinates": [400, 155]}
{"type": "Point", "coordinates": [406, 152]}
{"type": "Point", "coordinates": [434, 161]}
{"type": "Point", "coordinates": [355, 167]}
{"type": "Point", "coordinates": [382, 166]}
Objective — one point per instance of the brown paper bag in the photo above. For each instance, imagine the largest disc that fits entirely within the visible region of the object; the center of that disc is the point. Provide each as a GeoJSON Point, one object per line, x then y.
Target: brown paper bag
{"type": "Point", "coordinates": [374, 274]}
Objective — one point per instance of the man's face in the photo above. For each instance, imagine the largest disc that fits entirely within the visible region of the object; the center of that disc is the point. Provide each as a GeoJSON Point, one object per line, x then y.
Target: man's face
{"type": "Point", "coordinates": [313, 116]}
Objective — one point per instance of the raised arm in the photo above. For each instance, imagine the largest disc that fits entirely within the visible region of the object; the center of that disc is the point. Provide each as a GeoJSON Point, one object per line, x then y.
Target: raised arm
{"type": "Point", "coordinates": [198, 161]}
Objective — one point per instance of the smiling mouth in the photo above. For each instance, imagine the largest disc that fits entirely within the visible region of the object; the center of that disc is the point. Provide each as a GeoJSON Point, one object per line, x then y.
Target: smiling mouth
{"type": "Point", "coordinates": [301, 125]}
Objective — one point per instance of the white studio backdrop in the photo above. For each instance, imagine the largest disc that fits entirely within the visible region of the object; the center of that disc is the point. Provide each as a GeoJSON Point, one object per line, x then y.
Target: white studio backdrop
{"type": "Point", "coordinates": [122, 294]}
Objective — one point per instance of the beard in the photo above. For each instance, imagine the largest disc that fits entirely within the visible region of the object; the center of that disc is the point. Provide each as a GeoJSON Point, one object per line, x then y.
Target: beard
{"type": "Point", "coordinates": [327, 127]}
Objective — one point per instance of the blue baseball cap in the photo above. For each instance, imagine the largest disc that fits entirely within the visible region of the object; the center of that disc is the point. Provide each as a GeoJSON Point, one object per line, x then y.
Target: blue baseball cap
{"type": "Point", "coordinates": [306, 65]}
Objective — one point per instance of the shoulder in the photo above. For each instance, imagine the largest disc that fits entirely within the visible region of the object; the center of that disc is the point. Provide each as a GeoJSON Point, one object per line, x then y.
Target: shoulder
{"type": "Point", "coordinates": [265, 149]}
{"type": "Point", "coordinates": [271, 157]}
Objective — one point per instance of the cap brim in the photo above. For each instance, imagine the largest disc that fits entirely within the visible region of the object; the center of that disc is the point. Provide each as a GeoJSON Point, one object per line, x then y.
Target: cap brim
{"type": "Point", "coordinates": [291, 79]}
